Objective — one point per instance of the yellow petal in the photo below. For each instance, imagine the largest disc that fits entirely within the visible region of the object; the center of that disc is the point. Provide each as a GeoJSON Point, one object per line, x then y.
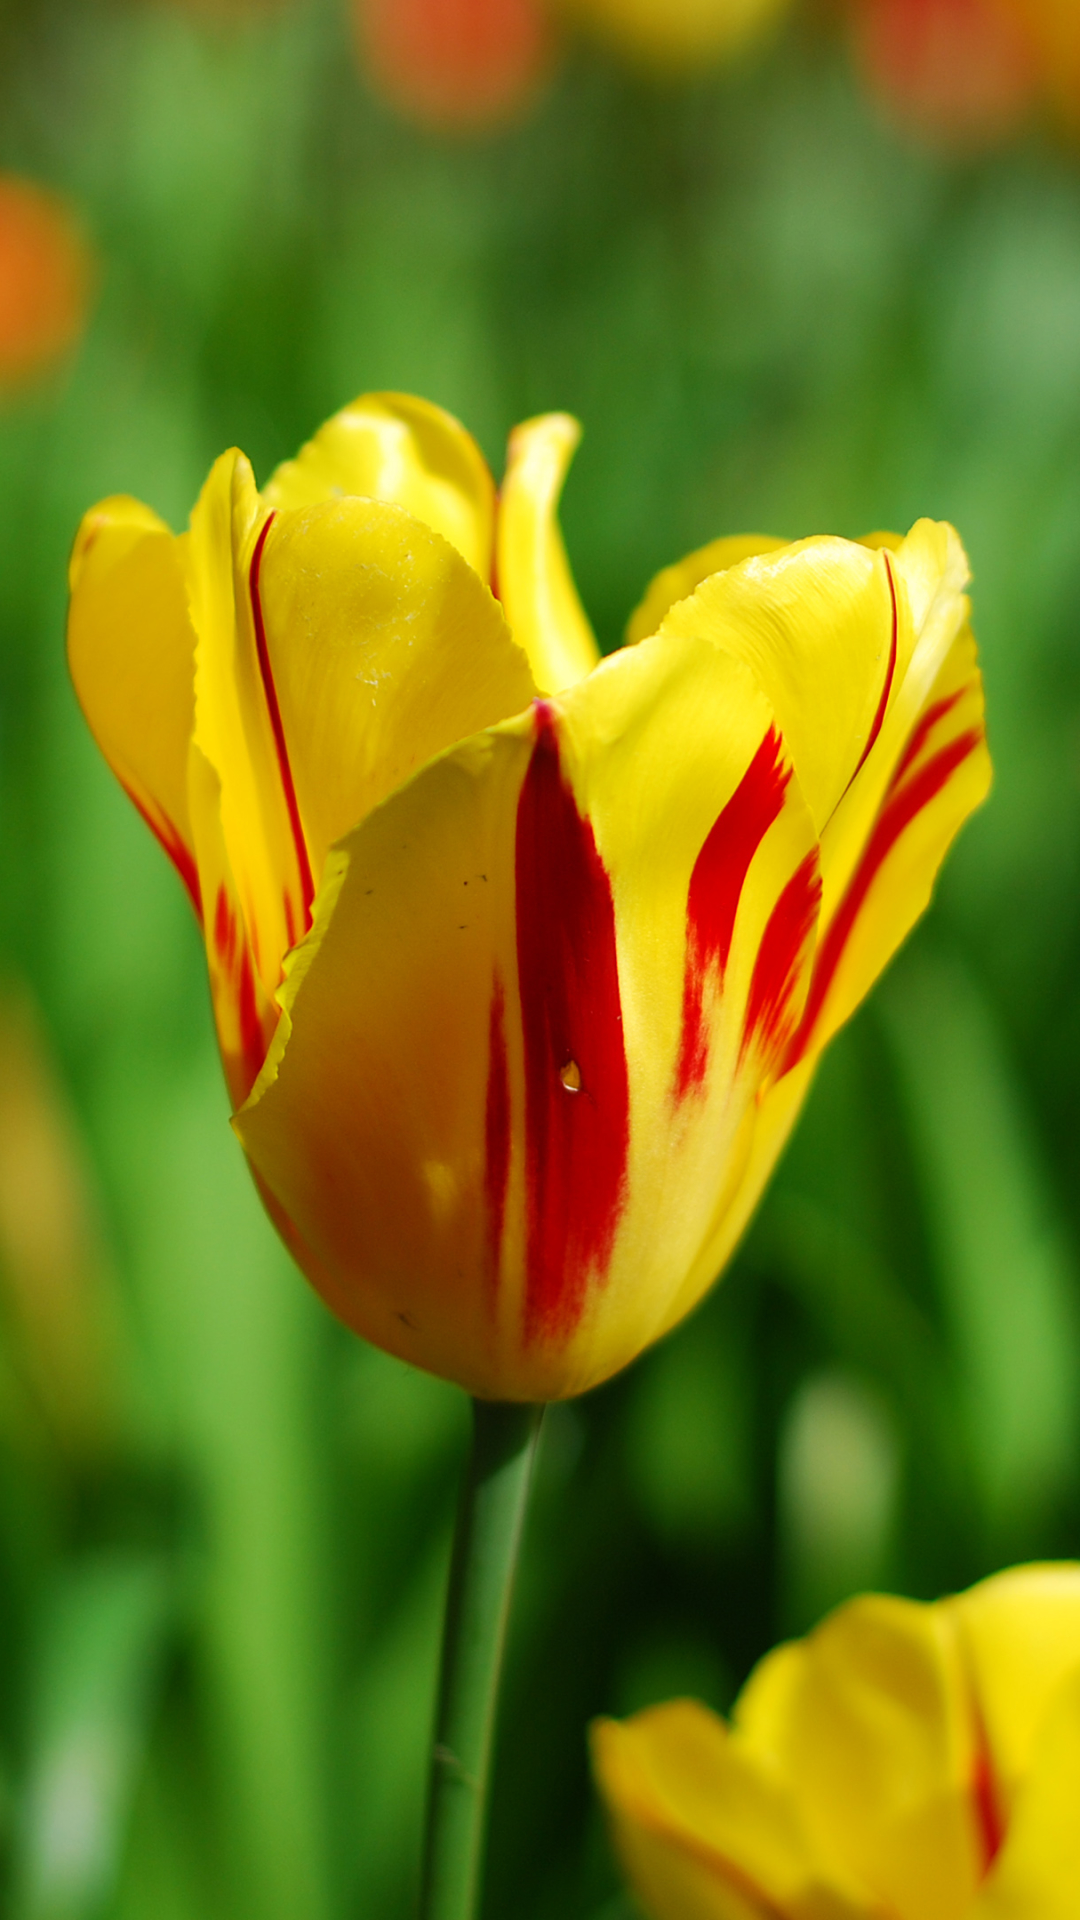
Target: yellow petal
{"type": "Point", "coordinates": [131, 652]}
{"type": "Point", "coordinates": [874, 1731]}
{"type": "Point", "coordinates": [535, 583]}
{"type": "Point", "coordinates": [384, 648]}
{"type": "Point", "coordinates": [679, 581]}
{"type": "Point", "coordinates": [1037, 1875]}
{"type": "Point", "coordinates": [941, 776]}
{"type": "Point", "coordinates": [245, 1011]}
{"type": "Point", "coordinates": [817, 625]}
{"type": "Point", "coordinates": [393, 447]}
{"type": "Point", "coordinates": [237, 720]}
{"type": "Point", "coordinates": [510, 1077]}
{"type": "Point", "coordinates": [1021, 1631]}
{"type": "Point", "coordinates": [706, 1829]}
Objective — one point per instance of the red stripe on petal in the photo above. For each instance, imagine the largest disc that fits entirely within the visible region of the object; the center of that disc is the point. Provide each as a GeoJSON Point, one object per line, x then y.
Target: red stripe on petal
{"type": "Point", "coordinates": [900, 809]}
{"type": "Point", "coordinates": [170, 842]}
{"type": "Point", "coordinates": [307, 885]}
{"type": "Point", "coordinates": [883, 703]}
{"type": "Point", "coordinates": [496, 1128]}
{"type": "Point", "coordinates": [984, 1793]}
{"type": "Point", "coordinates": [577, 1092]}
{"type": "Point", "coordinates": [921, 734]}
{"type": "Point", "coordinates": [776, 970]}
{"type": "Point", "coordinates": [716, 886]}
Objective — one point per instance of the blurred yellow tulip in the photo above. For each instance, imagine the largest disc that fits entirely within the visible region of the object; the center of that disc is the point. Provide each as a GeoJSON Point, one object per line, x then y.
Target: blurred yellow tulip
{"type": "Point", "coordinates": [521, 960]}
{"type": "Point", "coordinates": [675, 35]}
{"type": "Point", "coordinates": [915, 1762]}
{"type": "Point", "coordinates": [44, 279]}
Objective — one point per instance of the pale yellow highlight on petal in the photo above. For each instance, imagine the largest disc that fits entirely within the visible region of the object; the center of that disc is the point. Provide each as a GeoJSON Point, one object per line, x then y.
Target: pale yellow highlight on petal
{"type": "Point", "coordinates": [394, 447]}
{"type": "Point", "coordinates": [679, 581]}
{"type": "Point", "coordinates": [386, 648]}
{"type": "Point", "coordinates": [1021, 1631]}
{"type": "Point", "coordinates": [232, 722]}
{"type": "Point", "coordinates": [131, 652]}
{"type": "Point", "coordinates": [534, 579]}
{"type": "Point", "coordinates": [814, 624]}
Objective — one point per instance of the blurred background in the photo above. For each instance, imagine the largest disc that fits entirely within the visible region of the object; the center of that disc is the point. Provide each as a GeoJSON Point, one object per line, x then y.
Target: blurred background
{"type": "Point", "coordinates": [797, 269]}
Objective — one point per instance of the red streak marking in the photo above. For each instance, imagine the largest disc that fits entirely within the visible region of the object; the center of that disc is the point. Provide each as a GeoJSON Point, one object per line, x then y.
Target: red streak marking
{"type": "Point", "coordinates": [497, 1128]}
{"type": "Point", "coordinates": [988, 1819]}
{"type": "Point", "coordinates": [776, 970]}
{"type": "Point", "coordinates": [307, 885]}
{"type": "Point", "coordinates": [576, 1143]}
{"type": "Point", "coordinates": [879, 717]}
{"type": "Point", "coordinates": [224, 928]}
{"type": "Point", "coordinates": [921, 733]}
{"type": "Point", "coordinates": [900, 809]}
{"type": "Point", "coordinates": [716, 886]}
{"type": "Point", "coordinates": [253, 1041]}
{"type": "Point", "coordinates": [170, 842]}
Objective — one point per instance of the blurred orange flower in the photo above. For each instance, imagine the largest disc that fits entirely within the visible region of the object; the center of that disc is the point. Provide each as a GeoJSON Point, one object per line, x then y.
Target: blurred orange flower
{"type": "Point", "coordinates": [44, 279]}
{"type": "Point", "coordinates": [961, 71]}
{"type": "Point", "coordinates": [465, 64]}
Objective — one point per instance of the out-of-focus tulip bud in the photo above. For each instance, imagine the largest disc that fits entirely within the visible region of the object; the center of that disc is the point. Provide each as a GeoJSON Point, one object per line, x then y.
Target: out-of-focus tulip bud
{"type": "Point", "coordinates": [44, 280]}
{"type": "Point", "coordinates": [959, 72]}
{"type": "Point", "coordinates": [521, 960]}
{"type": "Point", "coordinates": [675, 35]}
{"type": "Point", "coordinates": [1053, 28]}
{"type": "Point", "coordinates": [906, 1760]}
{"type": "Point", "coordinates": [54, 1279]}
{"type": "Point", "coordinates": [465, 64]}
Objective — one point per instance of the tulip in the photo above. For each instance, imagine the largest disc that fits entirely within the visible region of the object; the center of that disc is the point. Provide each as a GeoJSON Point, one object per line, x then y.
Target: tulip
{"type": "Point", "coordinates": [961, 71]}
{"type": "Point", "coordinates": [521, 960]}
{"type": "Point", "coordinates": [455, 64]}
{"type": "Point", "coordinates": [675, 36]}
{"type": "Point", "coordinates": [44, 280]}
{"type": "Point", "coordinates": [913, 1761]}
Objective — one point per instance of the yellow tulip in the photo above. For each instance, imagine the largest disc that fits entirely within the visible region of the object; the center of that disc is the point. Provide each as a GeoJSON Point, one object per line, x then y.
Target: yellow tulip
{"type": "Point", "coordinates": [904, 1762]}
{"type": "Point", "coordinates": [520, 959]}
{"type": "Point", "coordinates": [675, 36]}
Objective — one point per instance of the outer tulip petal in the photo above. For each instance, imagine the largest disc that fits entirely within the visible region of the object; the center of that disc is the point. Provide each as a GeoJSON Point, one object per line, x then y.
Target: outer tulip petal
{"type": "Point", "coordinates": [677, 582]}
{"type": "Point", "coordinates": [1021, 1631]}
{"type": "Point", "coordinates": [880, 1738]}
{"type": "Point", "coordinates": [942, 775]}
{"type": "Point", "coordinates": [245, 1012]}
{"type": "Point", "coordinates": [1037, 1874]}
{"type": "Point", "coordinates": [535, 582]}
{"type": "Point", "coordinates": [512, 957]}
{"type": "Point", "coordinates": [238, 722]}
{"type": "Point", "coordinates": [384, 648]}
{"type": "Point", "coordinates": [131, 651]}
{"type": "Point", "coordinates": [818, 624]}
{"type": "Point", "coordinates": [706, 1829]}
{"type": "Point", "coordinates": [390, 446]}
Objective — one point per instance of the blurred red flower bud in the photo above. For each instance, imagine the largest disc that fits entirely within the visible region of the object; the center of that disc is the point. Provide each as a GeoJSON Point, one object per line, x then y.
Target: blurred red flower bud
{"type": "Point", "coordinates": [467, 64]}
{"type": "Point", "coordinates": [961, 71]}
{"type": "Point", "coordinates": [44, 279]}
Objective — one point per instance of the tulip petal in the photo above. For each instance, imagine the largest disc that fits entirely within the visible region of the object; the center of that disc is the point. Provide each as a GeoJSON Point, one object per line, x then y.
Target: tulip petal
{"type": "Point", "coordinates": [535, 583]}
{"type": "Point", "coordinates": [1038, 1870]}
{"type": "Point", "coordinates": [1021, 1631]}
{"type": "Point", "coordinates": [384, 648]}
{"type": "Point", "coordinates": [706, 1829]}
{"type": "Point", "coordinates": [678, 582]}
{"type": "Point", "coordinates": [245, 1013]}
{"type": "Point", "coordinates": [238, 721]}
{"type": "Point", "coordinates": [393, 447]}
{"type": "Point", "coordinates": [818, 625]}
{"type": "Point", "coordinates": [131, 652]}
{"type": "Point", "coordinates": [472, 1110]}
{"type": "Point", "coordinates": [875, 1728]}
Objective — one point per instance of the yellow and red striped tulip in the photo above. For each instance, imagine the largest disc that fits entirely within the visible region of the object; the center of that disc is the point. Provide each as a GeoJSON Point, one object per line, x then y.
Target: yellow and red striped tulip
{"type": "Point", "coordinates": [521, 960]}
{"type": "Point", "coordinates": [916, 1762]}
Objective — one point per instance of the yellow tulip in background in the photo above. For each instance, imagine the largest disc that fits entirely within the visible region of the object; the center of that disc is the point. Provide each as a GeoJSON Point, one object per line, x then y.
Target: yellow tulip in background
{"type": "Point", "coordinates": [915, 1762]}
{"type": "Point", "coordinates": [677, 35]}
{"type": "Point", "coordinates": [521, 960]}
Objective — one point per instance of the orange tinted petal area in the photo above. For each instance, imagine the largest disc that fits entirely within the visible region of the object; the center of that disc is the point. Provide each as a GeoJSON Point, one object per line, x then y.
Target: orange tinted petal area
{"type": "Point", "coordinates": [454, 63]}
{"type": "Point", "coordinates": [961, 71]}
{"type": "Point", "coordinates": [44, 279]}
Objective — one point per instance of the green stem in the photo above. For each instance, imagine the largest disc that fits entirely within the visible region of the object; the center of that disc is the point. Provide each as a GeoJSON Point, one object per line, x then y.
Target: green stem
{"type": "Point", "coordinates": [486, 1542]}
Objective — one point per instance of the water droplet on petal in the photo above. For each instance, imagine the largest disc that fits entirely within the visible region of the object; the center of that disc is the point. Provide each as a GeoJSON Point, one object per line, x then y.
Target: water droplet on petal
{"type": "Point", "coordinates": [571, 1077]}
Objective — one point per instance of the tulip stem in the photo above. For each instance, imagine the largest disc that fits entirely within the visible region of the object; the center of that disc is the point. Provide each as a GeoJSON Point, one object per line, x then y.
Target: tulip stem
{"type": "Point", "coordinates": [486, 1541]}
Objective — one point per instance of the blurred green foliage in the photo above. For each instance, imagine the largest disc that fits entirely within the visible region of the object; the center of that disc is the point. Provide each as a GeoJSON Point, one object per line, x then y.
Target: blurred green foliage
{"type": "Point", "coordinates": [220, 1614]}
